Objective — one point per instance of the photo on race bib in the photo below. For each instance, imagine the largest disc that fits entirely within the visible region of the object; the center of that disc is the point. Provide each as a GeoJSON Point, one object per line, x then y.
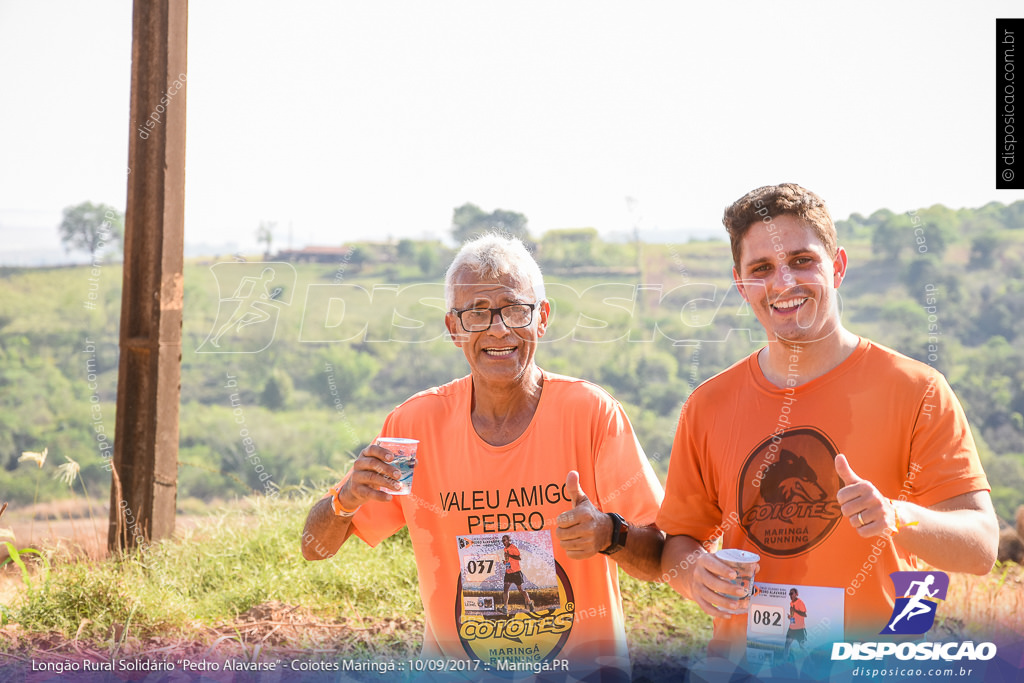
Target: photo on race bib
{"type": "Point", "coordinates": [787, 621]}
{"type": "Point", "coordinates": [520, 559]}
{"type": "Point", "coordinates": [515, 604]}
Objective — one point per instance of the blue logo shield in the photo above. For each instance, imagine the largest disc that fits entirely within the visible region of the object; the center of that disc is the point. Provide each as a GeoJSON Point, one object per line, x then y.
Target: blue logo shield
{"type": "Point", "coordinates": [917, 598]}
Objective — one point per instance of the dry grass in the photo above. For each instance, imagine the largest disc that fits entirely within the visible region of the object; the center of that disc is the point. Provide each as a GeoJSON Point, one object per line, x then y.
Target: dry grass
{"type": "Point", "coordinates": [68, 528]}
{"type": "Point", "coordinates": [990, 605]}
{"type": "Point", "coordinates": [272, 629]}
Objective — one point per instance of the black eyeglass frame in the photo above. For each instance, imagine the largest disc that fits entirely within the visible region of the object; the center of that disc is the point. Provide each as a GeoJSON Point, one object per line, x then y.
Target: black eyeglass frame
{"type": "Point", "coordinates": [496, 312]}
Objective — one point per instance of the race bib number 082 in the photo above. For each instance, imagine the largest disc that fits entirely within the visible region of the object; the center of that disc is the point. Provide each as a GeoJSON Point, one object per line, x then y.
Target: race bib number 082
{"type": "Point", "coordinates": [768, 619]}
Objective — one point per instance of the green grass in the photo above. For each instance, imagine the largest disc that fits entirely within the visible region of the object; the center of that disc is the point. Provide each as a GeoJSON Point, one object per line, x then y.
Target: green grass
{"type": "Point", "coordinates": [238, 559]}
{"type": "Point", "coordinates": [660, 622]}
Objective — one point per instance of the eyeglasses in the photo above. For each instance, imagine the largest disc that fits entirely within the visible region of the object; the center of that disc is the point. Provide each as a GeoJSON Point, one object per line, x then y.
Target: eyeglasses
{"type": "Point", "coordinates": [480, 319]}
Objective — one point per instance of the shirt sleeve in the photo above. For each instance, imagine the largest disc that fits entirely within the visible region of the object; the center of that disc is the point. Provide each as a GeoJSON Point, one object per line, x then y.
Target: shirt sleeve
{"type": "Point", "coordinates": [626, 483]}
{"type": "Point", "coordinates": [691, 505]}
{"type": "Point", "coordinates": [944, 460]}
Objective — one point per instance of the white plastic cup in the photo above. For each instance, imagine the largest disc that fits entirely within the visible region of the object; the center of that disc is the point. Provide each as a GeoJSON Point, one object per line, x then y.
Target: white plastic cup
{"type": "Point", "coordinates": [404, 451]}
{"type": "Point", "coordinates": [744, 562]}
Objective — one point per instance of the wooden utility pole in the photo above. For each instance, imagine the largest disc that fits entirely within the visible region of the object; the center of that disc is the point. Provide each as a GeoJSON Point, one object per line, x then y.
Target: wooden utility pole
{"type": "Point", "coordinates": [144, 490]}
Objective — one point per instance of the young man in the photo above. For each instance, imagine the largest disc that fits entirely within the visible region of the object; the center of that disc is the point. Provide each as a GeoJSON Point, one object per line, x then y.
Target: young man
{"type": "Point", "coordinates": [836, 459]}
{"type": "Point", "coordinates": [509, 449]}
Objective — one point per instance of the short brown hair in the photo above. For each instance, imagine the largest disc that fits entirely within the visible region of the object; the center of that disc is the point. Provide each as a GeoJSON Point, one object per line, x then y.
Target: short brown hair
{"type": "Point", "coordinates": [766, 203]}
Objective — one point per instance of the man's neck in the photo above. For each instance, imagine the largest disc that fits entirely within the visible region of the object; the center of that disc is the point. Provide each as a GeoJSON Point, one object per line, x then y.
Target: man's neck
{"type": "Point", "coordinates": [787, 364]}
{"type": "Point", "coordinates": [502, 413]}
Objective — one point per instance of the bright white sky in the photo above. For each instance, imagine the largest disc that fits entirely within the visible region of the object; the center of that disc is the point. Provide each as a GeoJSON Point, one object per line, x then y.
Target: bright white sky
{"type": "Point", "coordinates": [350, 120]}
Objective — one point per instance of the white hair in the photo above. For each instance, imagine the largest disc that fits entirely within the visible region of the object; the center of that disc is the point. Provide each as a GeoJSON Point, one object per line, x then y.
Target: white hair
{"type": "Point", "coordinates": [490, 256]}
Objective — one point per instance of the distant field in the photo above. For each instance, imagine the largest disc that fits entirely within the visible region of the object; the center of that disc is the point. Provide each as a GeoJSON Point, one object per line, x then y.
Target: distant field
{"type": "Point", "coordinates": [347, 342]}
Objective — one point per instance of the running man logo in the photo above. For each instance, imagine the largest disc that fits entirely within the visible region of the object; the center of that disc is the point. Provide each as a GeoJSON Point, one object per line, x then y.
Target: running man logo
{"type": "Point", "coordinates": [251, 297]}
{"type": "Point", "coordinates": [919, 594]}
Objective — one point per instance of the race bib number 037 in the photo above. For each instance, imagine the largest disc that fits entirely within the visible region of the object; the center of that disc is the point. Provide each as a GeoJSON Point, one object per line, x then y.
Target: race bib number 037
{"type": "Point", "coordinates": [480, 568]}
{"type": "Point", "coordinates": [515, 604]}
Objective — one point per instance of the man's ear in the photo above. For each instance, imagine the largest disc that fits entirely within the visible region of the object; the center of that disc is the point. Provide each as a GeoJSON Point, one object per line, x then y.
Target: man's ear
{"type": "Point", "coordinates": [839, 267]}
{"type": "Point", "coordinates": [454, 328]}
{"type": "Point", "coordinates": [739, 284]}
{"type": "Point", "coordinates": [544, 309]}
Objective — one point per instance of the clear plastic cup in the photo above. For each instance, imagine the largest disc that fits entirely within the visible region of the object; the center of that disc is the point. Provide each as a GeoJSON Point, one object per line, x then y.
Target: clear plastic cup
{"type": "Point", "coordinates": [404, 451]}
{"type": "Point", "coordinates": [744, 562]}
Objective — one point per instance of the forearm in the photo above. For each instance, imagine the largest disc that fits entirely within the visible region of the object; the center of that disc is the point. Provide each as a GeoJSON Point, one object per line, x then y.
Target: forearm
{"type": "Point", "coordinates": [324, 532]}
{"type": "Point", "coordinates": [678, 561]}
{"type": "Point", "coordinates": [641, 556]}
{"type": "Point", "coordinates": [954, 540]}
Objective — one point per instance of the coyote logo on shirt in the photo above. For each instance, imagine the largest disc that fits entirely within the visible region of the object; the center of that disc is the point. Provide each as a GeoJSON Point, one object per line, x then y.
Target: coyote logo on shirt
{"type": "Point", "coordinates": [787, 492]}
{"type": "Point", "coordinates": [791, 480]}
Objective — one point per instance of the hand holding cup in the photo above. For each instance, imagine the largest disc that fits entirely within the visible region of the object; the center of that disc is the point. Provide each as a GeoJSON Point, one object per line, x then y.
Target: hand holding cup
{"type": "Point", "coordinates": [722, 582]}
{"type": "Point", "coordinates": [378, 473]}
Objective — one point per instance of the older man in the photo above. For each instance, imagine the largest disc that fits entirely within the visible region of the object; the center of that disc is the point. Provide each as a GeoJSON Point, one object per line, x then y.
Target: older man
{"type": "Point", "coordinates": [509, 449]}
{"type": "Point", "coordinates": [835, 459]}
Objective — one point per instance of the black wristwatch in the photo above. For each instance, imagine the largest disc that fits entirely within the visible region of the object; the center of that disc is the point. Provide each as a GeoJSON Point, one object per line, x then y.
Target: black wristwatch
{"type": "Point", "coordinates": [619, 530]}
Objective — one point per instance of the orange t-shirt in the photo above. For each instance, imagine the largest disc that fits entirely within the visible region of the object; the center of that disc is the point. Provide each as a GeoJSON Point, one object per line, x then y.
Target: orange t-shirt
{"type": "Point", "coordinates": [796, 607]}
{"type": "Point", "coordinates": [467, 494]}
{"type": "Point", "coordinates": [512, 557]}
{"type": "Point", "coordinates": [755, 462]}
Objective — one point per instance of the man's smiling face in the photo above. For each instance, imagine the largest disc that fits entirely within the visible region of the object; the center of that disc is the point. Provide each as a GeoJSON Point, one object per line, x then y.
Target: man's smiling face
{"type": "Point", "coordinates": [790, 280]}
{"type": "Point", "coordinates": [498, 354]}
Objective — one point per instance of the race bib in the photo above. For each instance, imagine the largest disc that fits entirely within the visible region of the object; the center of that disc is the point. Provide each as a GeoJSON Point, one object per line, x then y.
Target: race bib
{"type": "Point", "coordinates": [775, 631]}
{"type": "Point", "coordinates": [515, 603]}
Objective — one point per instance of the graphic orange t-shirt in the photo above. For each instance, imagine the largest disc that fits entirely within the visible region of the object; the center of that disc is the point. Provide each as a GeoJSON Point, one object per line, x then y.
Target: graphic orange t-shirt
{"type": "Point", "coordinates": [467, 494]}
{"type": "Point", "coordinates": [755, 463]}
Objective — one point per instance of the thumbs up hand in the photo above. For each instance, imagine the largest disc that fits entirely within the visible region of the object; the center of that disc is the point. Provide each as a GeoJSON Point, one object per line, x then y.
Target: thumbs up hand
{"type": "Point", "coordinates": [584, 530]}
{"type": "Point", "coordinates": [863, 506]}
{"type": "Point", "coordinates": [845, 472]}
{"type": "Point", "coordinates": [574, 490]}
